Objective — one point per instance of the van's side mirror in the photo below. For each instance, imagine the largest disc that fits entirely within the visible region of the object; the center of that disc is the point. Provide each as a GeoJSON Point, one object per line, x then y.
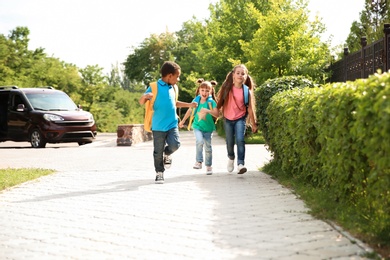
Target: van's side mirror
{"type": "Point", "coordinates": [20, 108]}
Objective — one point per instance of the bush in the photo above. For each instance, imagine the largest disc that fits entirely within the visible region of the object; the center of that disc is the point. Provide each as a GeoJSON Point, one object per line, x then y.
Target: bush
{"type": "Point", "coordinates": [337, 138]}
{"type": "Point", "coordinates": [268, 89]}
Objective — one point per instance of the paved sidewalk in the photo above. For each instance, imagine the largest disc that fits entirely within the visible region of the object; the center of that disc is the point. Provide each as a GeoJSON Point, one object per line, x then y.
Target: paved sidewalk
{"type": "Point", "coordinates": [103, 204]}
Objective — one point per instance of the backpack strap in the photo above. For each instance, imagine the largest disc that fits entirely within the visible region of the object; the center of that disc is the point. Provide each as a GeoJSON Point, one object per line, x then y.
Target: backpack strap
{"type": "Point", "coordinates": [209, 99]}
{"type": "Point", "coordinates": [210, 106]}
{"type": "Point", "coordinates": [176, 88]}
{"type": "Point", "coordinates": [245, 89]}
{"type": "Point", "coordinates": [149, 108]}
{"type": "Point", "coordinates": [197, 100]}
{"type": "Point", "coordinates": [154, 88]}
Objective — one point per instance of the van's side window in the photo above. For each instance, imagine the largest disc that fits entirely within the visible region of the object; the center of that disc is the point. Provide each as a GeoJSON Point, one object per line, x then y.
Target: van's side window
{"type": "Point", "coordinates": [16, 101]}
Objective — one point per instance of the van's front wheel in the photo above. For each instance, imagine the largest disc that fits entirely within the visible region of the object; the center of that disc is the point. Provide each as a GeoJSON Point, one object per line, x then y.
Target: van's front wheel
{"type": "Point", "coordinates": [37, 140]}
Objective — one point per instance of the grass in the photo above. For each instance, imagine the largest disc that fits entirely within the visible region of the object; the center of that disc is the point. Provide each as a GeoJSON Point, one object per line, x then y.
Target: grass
{"type": "Point", "coordinates": [250, 138]}
{"type": "Point", "coordinates": [254, 138]}
{"type": "Point", "coordinates": [322, 207]}
{"type": "Point", "coordinates": [12, 177]}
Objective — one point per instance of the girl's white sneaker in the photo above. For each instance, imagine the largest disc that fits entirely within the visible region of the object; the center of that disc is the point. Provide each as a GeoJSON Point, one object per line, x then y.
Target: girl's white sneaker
{"type": "Point", "coordinates": [241, 169]}
{"type": "Point", "coordinates": [230, 165]}
{"type": "Point", "coordinates": [198, 165]}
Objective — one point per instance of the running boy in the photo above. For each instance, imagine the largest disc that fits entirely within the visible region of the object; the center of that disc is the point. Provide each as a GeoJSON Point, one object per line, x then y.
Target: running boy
{"type": "Point", "coordinates": [165, 120]}
{"type": "Point", "coordinates": [203, 123]}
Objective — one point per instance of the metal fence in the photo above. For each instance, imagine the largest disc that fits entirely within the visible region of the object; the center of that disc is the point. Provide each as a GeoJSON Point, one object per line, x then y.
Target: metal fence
{"type": "Point", "coordinates": [365, 62]}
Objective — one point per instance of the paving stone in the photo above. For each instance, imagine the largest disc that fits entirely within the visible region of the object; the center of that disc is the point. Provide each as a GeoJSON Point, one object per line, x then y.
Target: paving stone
{"type": "Point", "coordinates": [102, 203]}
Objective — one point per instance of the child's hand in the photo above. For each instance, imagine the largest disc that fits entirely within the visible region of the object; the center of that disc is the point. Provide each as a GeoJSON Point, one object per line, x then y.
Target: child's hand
{"type": "Point", "coordinates": [181, 124]}
{"type": "Point", "coordinates": [202, 113]}
{"type": "Point", "coordinates": [194, 104]}
{"type": "Point", "coordinates": [254, 128]}
{"type": "Point", "coordinates": [148, 96]}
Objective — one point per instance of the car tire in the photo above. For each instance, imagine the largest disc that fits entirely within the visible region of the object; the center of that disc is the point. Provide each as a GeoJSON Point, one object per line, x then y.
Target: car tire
{"type": "Point", "coordinates": [37, 140]}
{"type": "Point", "coordinates": [84, 143]}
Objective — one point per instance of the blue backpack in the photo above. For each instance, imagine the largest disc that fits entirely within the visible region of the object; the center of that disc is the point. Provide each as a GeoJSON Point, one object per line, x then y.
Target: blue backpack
{"type": "Point", "coordinates": [245, 90]}
{"type": "Point", "coordinates": [246, 95]}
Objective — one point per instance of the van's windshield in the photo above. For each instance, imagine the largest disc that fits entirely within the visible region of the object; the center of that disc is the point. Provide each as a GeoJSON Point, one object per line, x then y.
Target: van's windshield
{"type": "Point", "coordinates": [51, 102]}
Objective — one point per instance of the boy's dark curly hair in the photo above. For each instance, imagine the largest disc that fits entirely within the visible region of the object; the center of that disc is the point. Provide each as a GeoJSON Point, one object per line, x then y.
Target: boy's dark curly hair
{"type": "Point", "coordinates": [169, 67]}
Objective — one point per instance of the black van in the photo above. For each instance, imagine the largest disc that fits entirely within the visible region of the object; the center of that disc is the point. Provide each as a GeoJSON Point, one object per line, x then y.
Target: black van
{"type": "Point", "coordinates": [41, 116]}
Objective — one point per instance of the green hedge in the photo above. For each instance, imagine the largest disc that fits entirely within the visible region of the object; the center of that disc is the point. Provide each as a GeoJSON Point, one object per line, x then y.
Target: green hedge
{"type": "Point", "coordinates": [337, 137]}
{"type": "Point", "coordinates": [268, 89]}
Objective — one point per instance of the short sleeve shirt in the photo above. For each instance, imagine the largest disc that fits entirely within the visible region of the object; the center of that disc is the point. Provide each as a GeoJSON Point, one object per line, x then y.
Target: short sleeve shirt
{"type": "Point", "coordinates": [164, 116]}
{"type": "Point", "coordinates": [236, 108]}
{"type": "Point", "coordinates": [207, 124]}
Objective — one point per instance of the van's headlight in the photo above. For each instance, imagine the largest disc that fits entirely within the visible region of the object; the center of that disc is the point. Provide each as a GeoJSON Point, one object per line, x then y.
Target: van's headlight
{"type": "Point", "coordinates": [51, 117]}
{"type": "Point", "coordinates": [91, 118]}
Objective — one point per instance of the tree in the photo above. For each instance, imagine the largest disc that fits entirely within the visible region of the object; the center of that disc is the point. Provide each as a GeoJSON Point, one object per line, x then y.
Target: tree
{"type": "Point", "coordinates": [190, 55]}
{"type": "Point", "coordinates": [16, 59]}
{"type": "Point", "coordinates": [118, 79]}
{"type": "Point", "coordinates": [94, 87]}
{"type": "Point", "coordinates": [144, 63]}
{"type": "Point", "coordinates": [229, 23]}
{"type": "Point", "coordinates": [32, 68]}
{"type": "Point", "coordinates": [286, 43]}
{"type": "Point", "coordinates": [372, 19]}
{"type": "Point", "coordinates": [88, 87]}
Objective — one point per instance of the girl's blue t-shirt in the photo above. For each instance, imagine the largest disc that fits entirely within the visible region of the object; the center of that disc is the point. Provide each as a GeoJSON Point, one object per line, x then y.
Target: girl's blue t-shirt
{"type": "Point", "coordinates": [164, 116]}
{"type": "Point", "coordinates": [207, 124]}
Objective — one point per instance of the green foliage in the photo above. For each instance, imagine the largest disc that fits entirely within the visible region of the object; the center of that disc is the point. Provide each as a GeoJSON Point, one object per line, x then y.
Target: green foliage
{"type": "Point", "coordinates": [230, 22]}
{"type": "Point", "coordinates": [273, 38]}
{"type": "Point", "coordinates": [286, 43]}
{"type": "Point", "coordinates": [353, 40]}
{"type": "Point", "coordinates": [323, 207]}
{"type": "Point", "coordinates": [250, 138]}
{"type": "Point", "coordinates": [112, 99]}
{"type": "Point", "coordinates": [190, 52]}
{"type": "Point", "coordinates": [13, 177]}
{"type": "Point", "coordinates": [106, 116]}
{"type": "Point", "coordinates": [337, 138]}
{"type": "Point", "coordinates": [25, 68]}
{"type": "Point", "coordinates": [254, 138]}
{"type": "Point", "coordinates": [144, 63]}
{"type": "Point", "coordinates": [371, 22]}
{"type": "Point", "coordinates": [204, 49]}
{"type": "Point", "coordinates": [268, 89]}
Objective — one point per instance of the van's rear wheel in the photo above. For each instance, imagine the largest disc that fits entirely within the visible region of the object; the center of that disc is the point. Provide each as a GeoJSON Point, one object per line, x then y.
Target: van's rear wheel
{"type": "Point", "coordinates": [84, 143]}
{"type": "Point", "coordinates": [37, 140]}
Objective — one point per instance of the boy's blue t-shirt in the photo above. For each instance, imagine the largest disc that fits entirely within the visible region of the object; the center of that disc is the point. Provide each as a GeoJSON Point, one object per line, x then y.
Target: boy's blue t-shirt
{"type": "Point", "coordinates": [164, 116]}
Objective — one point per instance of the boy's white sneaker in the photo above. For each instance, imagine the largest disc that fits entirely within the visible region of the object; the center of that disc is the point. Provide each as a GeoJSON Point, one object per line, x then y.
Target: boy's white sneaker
{"type": "Point", "coordinates": [230, 165]}
{"type": "Point", "coordinates": [241, 169]}
{"type": "Point", "coordinates": [167, 161]}
{"type": "Point", "coordinates": [159, 178]}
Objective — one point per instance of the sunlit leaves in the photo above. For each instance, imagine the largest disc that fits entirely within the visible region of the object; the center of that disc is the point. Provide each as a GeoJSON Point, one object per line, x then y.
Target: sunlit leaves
{"type": "Point", "coordinates": [286, 43]}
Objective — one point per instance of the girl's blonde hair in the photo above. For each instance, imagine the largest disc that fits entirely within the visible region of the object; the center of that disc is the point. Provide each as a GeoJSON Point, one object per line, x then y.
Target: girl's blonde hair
{"type": "Point", "coordinates": [206, 84]}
